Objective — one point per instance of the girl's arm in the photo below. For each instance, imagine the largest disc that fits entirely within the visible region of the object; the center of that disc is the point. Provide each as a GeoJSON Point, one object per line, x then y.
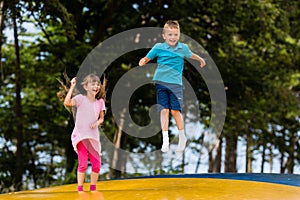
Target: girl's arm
{"type": "Point", "coordinates": [101, 117]}
{"type": "Point", "coordinates": [99, 121]}
{"type": "Point", "coordinates": [198, 58]}
{"type": "Point", "coordinates": [68, 100]}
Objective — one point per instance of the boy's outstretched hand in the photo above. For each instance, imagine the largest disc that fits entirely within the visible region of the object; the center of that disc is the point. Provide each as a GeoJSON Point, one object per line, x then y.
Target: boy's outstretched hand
{"type": "Point", "coordinates": [202, 62]}
{"type": "Point", "coordinates": [144, 61]}
{"type": "Point", "coordinates": [198, 58]}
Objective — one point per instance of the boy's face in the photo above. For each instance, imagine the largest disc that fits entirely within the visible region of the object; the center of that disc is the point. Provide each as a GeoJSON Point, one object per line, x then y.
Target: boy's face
{"type": "Point", "coordinates": [171, 36]}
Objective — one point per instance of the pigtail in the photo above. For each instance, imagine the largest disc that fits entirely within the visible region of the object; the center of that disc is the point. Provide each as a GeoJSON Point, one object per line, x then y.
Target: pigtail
{"type": "Point", "coordinates": [64, 89]}
{"type": "Point", "coordinates": [102, 93]}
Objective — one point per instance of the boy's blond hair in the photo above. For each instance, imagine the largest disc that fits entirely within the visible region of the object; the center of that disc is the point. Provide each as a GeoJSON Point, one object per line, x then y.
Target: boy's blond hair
{"type": "Point", "coordinates": [172, 24]}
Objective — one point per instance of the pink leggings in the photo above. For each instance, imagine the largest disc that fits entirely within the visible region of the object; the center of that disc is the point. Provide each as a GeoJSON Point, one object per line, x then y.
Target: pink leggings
{"type": "Point", "coordinates": [85, 151]}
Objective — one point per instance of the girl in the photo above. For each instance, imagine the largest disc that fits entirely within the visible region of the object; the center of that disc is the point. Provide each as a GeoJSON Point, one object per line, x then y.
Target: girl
{"type": "Point", "coordinates": [85, 135]}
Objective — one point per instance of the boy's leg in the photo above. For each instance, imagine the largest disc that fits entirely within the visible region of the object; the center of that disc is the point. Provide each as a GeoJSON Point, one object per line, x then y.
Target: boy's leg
{"type": "Point", "coordinates": [162, 98]}
{"type": "Point", "coordinates": [176, 103]}
{"type": "Point", "coordinates": [178, 119]}
{"type": "Point", "coordinates": [182, 141]}
{"type": "Point", "coordinates": [180, 125]}
{"type": "Point", "coordinates": [164, 121]}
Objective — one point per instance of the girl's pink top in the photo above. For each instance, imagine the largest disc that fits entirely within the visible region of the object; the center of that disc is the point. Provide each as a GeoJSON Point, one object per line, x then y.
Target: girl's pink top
{"type": "Point", "coordinates": [86, 114]}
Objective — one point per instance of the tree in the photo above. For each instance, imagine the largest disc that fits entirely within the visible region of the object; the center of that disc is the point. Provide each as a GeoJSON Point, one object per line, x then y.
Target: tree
{"type": "Point", "coordinates": [253, 43]}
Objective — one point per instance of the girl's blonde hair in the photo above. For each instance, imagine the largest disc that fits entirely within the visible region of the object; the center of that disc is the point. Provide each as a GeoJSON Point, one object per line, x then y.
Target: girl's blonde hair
{"type": "Point", "coordinates": [94, 78]}
{"type": "Point", "coordinates": [65, 86]}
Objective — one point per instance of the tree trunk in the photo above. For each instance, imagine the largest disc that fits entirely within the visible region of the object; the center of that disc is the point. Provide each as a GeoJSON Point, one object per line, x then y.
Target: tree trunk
{"type": "Point", "coordinates": [71, 155]}
{"type": "Point", "coordinates": [182, 162]}
{"type": "Point", "coordinates": [291, 157]}
{"type": "Point", "coordinates": [215, 161]}
{"type": "Point", "coordinates": [198, 163]}
{"type": "Point", "coordinates": [271, 158]}
{"type": "Point", "coordinates": [200, 142]}
{"type": "Point", "coordinates": [1, 37]}
{"type": "Point", "coordinates": [18, 110]}
{"type": "Point", "coordinates": [248, 152]}
{"type": "Point", "coordinates": [263, 158]}
{"type": "Point", "coordinates": [282, 167]}
{"type": "Point", "coordinates": [117, 168]}
{"type": "Point", "coordinates": [230, 155]}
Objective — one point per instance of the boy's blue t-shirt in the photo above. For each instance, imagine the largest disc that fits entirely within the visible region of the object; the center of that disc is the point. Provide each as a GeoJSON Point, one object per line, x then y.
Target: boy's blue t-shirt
{"type": "Point", "coordinates": [170, 61]}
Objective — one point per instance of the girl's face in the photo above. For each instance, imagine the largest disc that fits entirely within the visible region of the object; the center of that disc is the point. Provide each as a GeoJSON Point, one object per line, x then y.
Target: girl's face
{"type": "Point", "coordinates": [92, 87]}
{"type": "Point", "coordinates": [171, 36]}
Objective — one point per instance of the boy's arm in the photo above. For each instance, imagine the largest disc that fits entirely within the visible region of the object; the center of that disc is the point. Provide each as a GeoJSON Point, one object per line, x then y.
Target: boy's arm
{"type": "Point", "coordinates": [68, 100]}
{"type": "Point", "coordinates": [151, 54]}
{"type": "Point", "coordinates": [198, 58]}
{"type": "Point", "coordinates": [144, 61]}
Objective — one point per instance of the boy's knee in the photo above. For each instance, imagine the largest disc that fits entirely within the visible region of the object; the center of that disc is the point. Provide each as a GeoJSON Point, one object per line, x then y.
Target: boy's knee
{"type": "Point", "coordinates": [164, 111]}
{"type": "Point", "coordinates": [175, 112]}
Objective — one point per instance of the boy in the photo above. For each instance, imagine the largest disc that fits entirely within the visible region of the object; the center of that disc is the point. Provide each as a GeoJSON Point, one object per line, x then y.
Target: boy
{"type": "Point", "coordinates": [168, 79]}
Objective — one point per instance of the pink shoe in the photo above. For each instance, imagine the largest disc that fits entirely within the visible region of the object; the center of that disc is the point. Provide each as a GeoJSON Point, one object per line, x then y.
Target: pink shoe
{"type": "Point", "coordinates": [92, 188]}
{"type": "Point", "coordinates": [80, 188]}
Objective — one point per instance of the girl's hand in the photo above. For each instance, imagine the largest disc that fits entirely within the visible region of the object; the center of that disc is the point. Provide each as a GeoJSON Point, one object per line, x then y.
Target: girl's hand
{"type": "Point", "coordinates": [73, 82]}
{"type": "Point", "coordinates": [96, 123]}
{"type": "Point", "coordinates": [68, 100]}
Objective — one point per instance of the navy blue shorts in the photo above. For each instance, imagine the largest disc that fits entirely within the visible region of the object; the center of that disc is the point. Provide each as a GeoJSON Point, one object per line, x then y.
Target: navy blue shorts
{"type": "Point", "coordinates": [169, 96]}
